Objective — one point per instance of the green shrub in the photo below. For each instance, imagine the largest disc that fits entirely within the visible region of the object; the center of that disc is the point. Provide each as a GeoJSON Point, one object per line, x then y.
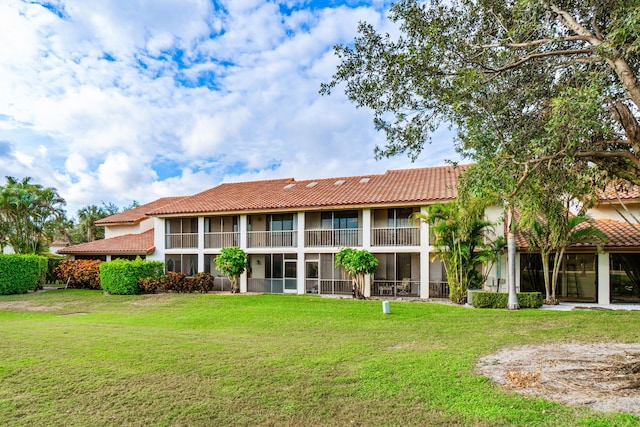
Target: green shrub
{"type": "Point", "coordinates": [21, 273]}
{"type": "Point", "coordinates": [80, 273]}
{"type": "Point", "coordinates": [501, 299]}
{"type": "Point", "coordinates": [120, 276]}
{"type": "Point", "coordinates": [530, 299]}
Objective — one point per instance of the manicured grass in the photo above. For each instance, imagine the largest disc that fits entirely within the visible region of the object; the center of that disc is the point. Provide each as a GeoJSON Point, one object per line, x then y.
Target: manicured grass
{"type": "Point", "coordinates": [274, 360]}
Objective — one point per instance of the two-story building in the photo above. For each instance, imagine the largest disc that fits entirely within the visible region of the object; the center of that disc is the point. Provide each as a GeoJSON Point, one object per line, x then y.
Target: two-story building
{"type": "Point", "coordinates": [292, 230]}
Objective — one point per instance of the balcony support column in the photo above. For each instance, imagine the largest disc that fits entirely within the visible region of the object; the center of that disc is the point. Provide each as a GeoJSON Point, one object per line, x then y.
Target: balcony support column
{"type": "Point", "coordinates": [200, 244]}
{"type": "Point", "coordinates": [366, 229]}
{"type": "Point", "coordinates": [425, 255]}
{"type": "Point", "coordinates": [243, 245]}
{"type": "Point", "coordinates": [300, 279]}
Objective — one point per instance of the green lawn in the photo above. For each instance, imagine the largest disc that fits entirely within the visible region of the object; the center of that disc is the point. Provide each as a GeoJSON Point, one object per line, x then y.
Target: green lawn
{"type": "Point", "coordinates": [274, 360]}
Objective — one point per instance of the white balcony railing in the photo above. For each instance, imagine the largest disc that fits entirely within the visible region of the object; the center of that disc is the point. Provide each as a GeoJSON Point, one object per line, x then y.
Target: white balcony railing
{"type": "Point", "coordinates": [221, 239]}
{"type": "Point", "coordinates": [272, 239]}
{"type": "Point", "coordinates": [402, 236]}
{"type": "Point", "coordinates": [333, 238]}
{"type": "Point", "coordinates": [336, 287]}
{"type": "Point", "coordinates": [396, 288]}
{"type": "Point", "coordinates": [181, 240]}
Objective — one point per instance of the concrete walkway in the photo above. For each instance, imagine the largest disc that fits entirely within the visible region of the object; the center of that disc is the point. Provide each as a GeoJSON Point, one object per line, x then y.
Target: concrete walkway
{"type": "Point", "coordinates": [566, 306]}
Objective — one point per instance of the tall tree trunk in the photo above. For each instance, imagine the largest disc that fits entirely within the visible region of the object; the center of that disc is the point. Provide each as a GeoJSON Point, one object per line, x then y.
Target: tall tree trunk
{"type": "Point", "coordinates": [234, 284]}
{"type": "Point", "coordinates": [511, 258]}
{"type": "Point", "coordinates": [556, 272]}
{"type": "Point", "coordinates": [545, 272]}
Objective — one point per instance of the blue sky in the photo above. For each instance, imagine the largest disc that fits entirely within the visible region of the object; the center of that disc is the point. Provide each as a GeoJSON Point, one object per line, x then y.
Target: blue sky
{"type": "Point", "coordinates": [121, 100]}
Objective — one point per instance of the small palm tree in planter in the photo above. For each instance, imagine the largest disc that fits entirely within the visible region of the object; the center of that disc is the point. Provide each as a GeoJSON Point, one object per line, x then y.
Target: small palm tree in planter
{"type": "Point", "coordinates": [232, 262]}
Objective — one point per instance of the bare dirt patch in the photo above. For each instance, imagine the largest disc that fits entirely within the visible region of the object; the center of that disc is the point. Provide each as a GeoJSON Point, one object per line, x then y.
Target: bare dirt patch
{"type": "Point", "coordinates": [27, 306]}
{"type": "Point", "coordinates": [602, 376]}
{"type": "Point", "coordinates": [151, 300]}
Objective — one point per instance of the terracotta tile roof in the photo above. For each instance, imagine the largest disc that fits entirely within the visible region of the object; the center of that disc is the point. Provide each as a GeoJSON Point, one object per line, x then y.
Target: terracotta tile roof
{"type": "Point", "coordinates": [620, 235]}
{"type": "Point", "coordinates": [128, 244]}
{"type": "Point", "coordinates": [137, 214]}
{"type": "Point", "coordinates": [624, 191]}
{"type": "Point", "coordinates": [393, 187]}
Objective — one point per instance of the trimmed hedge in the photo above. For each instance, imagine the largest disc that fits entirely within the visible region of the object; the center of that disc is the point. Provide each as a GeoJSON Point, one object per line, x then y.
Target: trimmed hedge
{"type": "Point", "coordinates": [501, 299]}
{"type": "Point", "coordinates": [120, 276]}
{"type": "Point", "coordinates": [21, 273]}
{"type": "Point", "coordinates": [80, 273]}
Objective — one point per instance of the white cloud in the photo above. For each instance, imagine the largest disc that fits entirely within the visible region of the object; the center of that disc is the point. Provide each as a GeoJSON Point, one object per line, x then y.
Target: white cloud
{"type": "Point", "coordinates": [105, 101]}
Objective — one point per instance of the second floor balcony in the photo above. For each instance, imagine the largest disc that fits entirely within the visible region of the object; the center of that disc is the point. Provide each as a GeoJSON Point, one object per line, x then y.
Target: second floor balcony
{"type": "Point", "coordinates": [348, 237]}
{"type": "Point", "coordinates": [395, 236]}
{"type": "Point", "coordinates": [272, 239]}
{"type": "Point", "coordinates": [221, 239]}
{"type": "Point", "coordinates": [181, 240]}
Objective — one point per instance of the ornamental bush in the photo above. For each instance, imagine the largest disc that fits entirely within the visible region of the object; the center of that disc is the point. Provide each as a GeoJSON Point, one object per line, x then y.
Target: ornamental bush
{"type": "Point", "coordinates": [80, 273]}
{"type": "Point", "coordinates": [172, 282]}
{"type": "Point", "coordinates": [121, 276]}
{"type": "Point", "coordinates": [501, 299]}
{"type": "Point", "coordinates": [21, 273]}
{"type": "Point", "coordinates": [203, 283]}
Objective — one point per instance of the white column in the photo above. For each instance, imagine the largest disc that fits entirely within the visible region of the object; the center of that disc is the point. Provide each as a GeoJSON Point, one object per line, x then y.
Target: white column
{"type": "Point", "coordinates": [425, 255]}
{"type": "Point", "coordinates": [243, 232]}
{"type": "Point", "coordinates": [604, 285]}
{"type": "Point", "coordinates": [366, 229]}
{"type": "Point", "coordinates": [243, 245]}
{"type": "Point", "coordinates": [200, 244]}
{"type": "Point", "coordinates": [366, 244]}
{"type": "Point", "coordinates": [158, 240]}
{"type": "Point", "coordinates": [300, 254]}
{"type": "Point", "coordinates": [367, 285]}
{"type": "Point", "coordinates": [243, 282]}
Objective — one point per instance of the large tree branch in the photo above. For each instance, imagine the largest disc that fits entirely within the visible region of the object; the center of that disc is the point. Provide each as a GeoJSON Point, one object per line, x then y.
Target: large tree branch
{"type": "Point", "coordinates": [533, 42]}
{"type": "Point", "coordinates": [623, 115]}
{"type": "Point", "coordinates": [590, 154]}
{"type": "Point", "coordinates": [571, 23]}
{"type": "Point", "coordinates": [540, 55]}
{"type": "Point", "coordinates": [627, 77]}
{"type": "Point", "coordinates": [617, 62]}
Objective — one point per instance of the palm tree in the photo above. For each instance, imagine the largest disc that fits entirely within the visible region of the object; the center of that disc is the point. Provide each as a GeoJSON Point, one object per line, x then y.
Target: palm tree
{"type": "Point", "coordinates": [460, 244]}
{"type": "Point", "coordinates": [88, 217]}
{"type": "Point", "coordinates": [25, 208]}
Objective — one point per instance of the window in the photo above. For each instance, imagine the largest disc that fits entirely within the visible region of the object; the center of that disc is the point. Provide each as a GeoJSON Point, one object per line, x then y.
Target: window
{"type": "Point", "coordinates": [340, 220]}
{"type": "Point", "coordinates": [182, 263]}
{"type": "Point", "coordinates": [221, 224]}
{"type": "Point", "coordinates": [399, 217]}
{"type": "Point", "coordinates": [624, 277]}
{"type": "Point", "coordinates": [181, 225]}
{"type": "Point", "coordinates": [281, 222]}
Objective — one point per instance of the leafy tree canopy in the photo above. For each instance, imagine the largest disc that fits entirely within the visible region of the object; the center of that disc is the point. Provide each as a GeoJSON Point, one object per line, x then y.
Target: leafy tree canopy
{"type": "Point", "coordinates": [232, 262]}
{"type": "Point", "coordinates": [357, 263]}
{"type": "Point", "coordinates": [527, 85]}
